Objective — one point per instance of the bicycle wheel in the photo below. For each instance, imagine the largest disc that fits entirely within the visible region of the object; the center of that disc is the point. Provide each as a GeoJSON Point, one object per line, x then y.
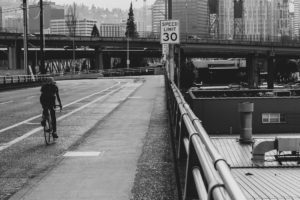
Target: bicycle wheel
{"type": "Point", "coordinates": [48, 130]}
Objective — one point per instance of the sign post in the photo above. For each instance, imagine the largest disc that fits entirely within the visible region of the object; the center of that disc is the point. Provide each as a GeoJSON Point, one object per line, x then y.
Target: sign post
{"type": "Point", "coordinates": [169, 30]}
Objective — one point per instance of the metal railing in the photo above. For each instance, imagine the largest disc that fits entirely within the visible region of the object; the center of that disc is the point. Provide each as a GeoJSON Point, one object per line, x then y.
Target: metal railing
{"type": "Point", "coordinates": [132, 71]}
{"type": "Point", "coordinates": [17, 79]}
{"type": "Point", "coordinates": [207, 174]}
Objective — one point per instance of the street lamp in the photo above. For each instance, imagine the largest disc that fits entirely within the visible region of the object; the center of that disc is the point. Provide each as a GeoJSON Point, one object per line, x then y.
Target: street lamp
{"type": "Point", "coordinates": [25, 35]}
{"type": "Point", "coordinates": [42, 55]}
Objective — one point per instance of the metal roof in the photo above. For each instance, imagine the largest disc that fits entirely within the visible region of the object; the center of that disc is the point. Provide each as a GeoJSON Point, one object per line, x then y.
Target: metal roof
{"type": "Point", "coordinates": [269, 183]}
{"type": "Point", "coordinates": [239, 155]}
{"type": "Point", "coordinates": [273, 181]}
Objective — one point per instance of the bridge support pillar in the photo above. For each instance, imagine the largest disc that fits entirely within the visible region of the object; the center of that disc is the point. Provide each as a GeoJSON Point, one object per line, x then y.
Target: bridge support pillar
{"type": "Point", "coordinates": [13, 61]}
{"type": "Point", "coordinates": [270, 78]}
{"type": "Point", "coordinates": [98, 59]}
{"type": "Point", "coordinates": [252, 65]}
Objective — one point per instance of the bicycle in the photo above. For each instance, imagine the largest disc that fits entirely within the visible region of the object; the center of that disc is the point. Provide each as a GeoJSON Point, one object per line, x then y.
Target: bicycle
{"type": "Point", "coordinates": [48, 129]}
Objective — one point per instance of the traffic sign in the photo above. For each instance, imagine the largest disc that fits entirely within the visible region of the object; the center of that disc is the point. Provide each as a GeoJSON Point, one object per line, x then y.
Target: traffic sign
{"type": "Point", "coordinates": [165, 49]}
{"type": "Point", "coordinates": [169, 30]}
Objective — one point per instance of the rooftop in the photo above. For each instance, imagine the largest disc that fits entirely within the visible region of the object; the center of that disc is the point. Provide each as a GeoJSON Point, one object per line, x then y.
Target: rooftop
{"type": "Point", "coordinates": [268, 180]}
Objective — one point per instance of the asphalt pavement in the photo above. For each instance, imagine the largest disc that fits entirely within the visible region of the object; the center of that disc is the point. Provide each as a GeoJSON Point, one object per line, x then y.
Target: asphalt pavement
{"type": "Point", "coordinates": [126, 155]}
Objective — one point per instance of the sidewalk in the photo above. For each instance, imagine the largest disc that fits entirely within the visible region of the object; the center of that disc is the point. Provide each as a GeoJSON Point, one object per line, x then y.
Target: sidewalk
{"type": "Point", "coordinates": [127, 155]}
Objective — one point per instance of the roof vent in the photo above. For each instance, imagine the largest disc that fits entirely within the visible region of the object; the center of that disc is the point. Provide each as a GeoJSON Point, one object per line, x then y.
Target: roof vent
{"type": "Point", "coordinates": [288, 148]}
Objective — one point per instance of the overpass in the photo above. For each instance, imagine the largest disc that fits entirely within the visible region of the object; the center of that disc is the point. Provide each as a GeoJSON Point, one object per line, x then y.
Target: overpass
{"type": "Point", "coordinates": [254, 50]}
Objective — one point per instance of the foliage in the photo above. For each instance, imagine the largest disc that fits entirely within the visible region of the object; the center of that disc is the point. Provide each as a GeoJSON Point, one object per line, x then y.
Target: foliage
{"type": "Point", "coordinates": [131, 31]}
{"type": "Point", "coordinates": [95, 31]}
{"type": "Point", "coordinates": [285, 67]}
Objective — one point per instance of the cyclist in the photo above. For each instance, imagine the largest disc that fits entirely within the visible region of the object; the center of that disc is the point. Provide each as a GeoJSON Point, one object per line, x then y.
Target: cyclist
{"type": "Point", "coordinates": [48, 93]}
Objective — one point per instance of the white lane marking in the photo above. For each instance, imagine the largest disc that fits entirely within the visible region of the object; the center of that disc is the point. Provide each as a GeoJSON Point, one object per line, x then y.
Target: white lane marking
{"type": "Point", "coordinates": [32, 123]}
{"type": "Point", "coordinates": [31, 97]}
{"type": "Point", "coordinates": [32, 118]}
{"type": "Point", "coordinates": [6, 145]}
{"type": "Point", "coordinates": [6, 102]}
{"type": "Point", "coordinates": [136, 97]}
{"type": "Point", "coordinates": [82, 153]}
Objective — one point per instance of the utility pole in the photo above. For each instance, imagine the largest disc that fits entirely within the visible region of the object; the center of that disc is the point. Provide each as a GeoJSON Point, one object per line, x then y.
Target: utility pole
{"type": "Point", "coordinates": [25, 36]}
{"type": "Point", "coordinates": [42, 56]}
{"type": "Point", "coordinates": [128, 58]}
{"type": "Point", "coordinates": [171, 46]}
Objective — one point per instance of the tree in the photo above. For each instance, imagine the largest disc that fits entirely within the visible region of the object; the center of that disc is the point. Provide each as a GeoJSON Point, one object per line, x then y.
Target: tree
{"type": "Point", "coordinates": [95, 31]}
{"type": "Point", "coordinates": [130, 25]}
{"type": "Point", "coordinates": [284, 68]}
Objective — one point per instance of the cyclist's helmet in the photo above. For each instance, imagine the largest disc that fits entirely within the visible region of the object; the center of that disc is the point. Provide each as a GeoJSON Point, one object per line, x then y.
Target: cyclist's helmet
{"type": "Point", "coordinates": [51, 80]}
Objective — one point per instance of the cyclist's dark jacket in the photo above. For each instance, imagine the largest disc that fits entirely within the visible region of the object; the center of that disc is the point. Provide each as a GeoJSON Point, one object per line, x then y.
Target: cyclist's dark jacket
{"type": "Point", "coordinates": [48, 95]}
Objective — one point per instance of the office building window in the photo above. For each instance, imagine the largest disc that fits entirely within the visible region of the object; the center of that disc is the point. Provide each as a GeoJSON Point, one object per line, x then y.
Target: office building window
{"type": "Point", "coordinates": [270, 118]}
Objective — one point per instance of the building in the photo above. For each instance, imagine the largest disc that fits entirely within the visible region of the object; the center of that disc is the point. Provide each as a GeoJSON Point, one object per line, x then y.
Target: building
{"type": "Point", "coordinates": [13, 24]}
{"type": "Point", "coordinates": [51, 12]}
{"type": "Point", "coordinates": [264, 19]}
{"type": "Point", "coordinates": [1, 22]}
{"type": "Point", "coordinates": [84, 27]}
{"type": "Point", "coordinates": [158, 14]}
{"type": "Point", "coordinates": [143, 19]}
{"type": "Point", "coordinates": [193, 16]}
{"type": "Point", "coordinates": [225, 19]}
{"type": "Point", "coordinates": [292, 24]}
{"type": "Point", "coordinates": [112, 29]}
{"type": "Point", "coordinates": [283, 18]}
{"type": "Point", "coordinates": [296, 28]}
{"type": "Point", "coordinates": [255, 19]}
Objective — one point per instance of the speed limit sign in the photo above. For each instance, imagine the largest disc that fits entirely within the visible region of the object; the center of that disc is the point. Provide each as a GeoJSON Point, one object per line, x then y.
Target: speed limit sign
{"type": "Point", "coordinates": [169, 30]}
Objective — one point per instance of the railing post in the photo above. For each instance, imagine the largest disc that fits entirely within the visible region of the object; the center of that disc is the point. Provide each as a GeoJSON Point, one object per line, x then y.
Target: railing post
{"type": "Point", "coordinates": [190, 191]}
{"type": "Point", "coordinates": [182, 134]}
{"type": "Point", "coordinates": [177, 121]}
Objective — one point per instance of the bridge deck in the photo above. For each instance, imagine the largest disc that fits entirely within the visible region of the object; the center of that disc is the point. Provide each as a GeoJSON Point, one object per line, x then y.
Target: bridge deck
{"type": "Point", "coordinates": [127, 155]}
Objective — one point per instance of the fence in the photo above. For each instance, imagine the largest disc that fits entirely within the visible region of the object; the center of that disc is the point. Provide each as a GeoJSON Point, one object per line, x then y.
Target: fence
{"type": "Point", "coordinates": [133, 71]}
{"type": "Point", "coordinates": [207, 174]}
{"type": "Point", "coordinates": [17, 79]}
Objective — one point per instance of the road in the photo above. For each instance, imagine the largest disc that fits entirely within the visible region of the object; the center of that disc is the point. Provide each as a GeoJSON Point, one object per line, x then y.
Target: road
{"type": "Point", "coordinates": [23, 153]}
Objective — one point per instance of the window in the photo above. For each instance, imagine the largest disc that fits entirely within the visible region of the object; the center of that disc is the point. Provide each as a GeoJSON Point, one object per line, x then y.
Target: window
{"type": "Point", "coordinates": [271, 118]}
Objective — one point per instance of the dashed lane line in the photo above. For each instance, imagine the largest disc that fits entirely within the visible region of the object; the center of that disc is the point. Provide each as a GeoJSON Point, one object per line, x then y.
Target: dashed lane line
{"type": "Point", "coordinates": [37, 116]}
{"type": "Point", "coordinates": [8, 144]}
{"type": "Point", "coordinates": [6, 102]}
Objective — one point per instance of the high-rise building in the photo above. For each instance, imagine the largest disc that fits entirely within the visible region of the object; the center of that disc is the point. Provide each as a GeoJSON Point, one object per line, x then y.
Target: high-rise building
{"type": "Point", "coordinates": [13, 24]}
{"type": "Point", "coordinates": [1, 26]}
{"type": "Point", "coordinates": [193, 16]}
{"type": "Point", "coordinates": [112, 29]}
{"type": "Point", "coordinates": [159, 12]}
{"type": "Point", "coordinates": [143, 17]}
{"type": "Point", "coordinates": [264, 19]}
{"type": "Point", "coordinates": [51, 12]}
{"type": "Point", "coordinates": [226, 19]}
{"type": "Point", "coordinates": [296, 27]}
{"type": "Point", "coordinates": [84, 27]}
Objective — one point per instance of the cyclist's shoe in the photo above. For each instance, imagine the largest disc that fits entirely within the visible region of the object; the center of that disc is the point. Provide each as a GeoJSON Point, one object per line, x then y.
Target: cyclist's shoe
{"type": "Point", "coordinates": [43, 122]}
{"type": "Point", "coordinates": [54, 135]}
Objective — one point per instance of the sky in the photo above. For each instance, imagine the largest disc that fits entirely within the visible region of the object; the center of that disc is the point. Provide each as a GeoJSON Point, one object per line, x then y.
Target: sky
{"type": "Point", "coordinates": [123, 4]}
